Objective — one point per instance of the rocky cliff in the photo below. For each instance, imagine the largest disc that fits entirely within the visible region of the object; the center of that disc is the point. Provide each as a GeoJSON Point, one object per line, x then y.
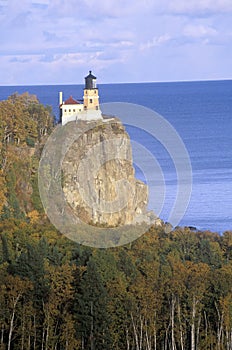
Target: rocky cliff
{"type": "Point", "coordinates": [98, 177]}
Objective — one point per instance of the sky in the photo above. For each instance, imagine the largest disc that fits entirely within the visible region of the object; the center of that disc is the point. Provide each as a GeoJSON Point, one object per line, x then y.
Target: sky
{"type": "Point", "coordinates": [59, 41]}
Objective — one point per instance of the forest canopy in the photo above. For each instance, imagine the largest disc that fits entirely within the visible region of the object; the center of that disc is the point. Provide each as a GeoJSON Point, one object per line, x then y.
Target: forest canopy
{"type": "Point", "coordinates": [24, 126]}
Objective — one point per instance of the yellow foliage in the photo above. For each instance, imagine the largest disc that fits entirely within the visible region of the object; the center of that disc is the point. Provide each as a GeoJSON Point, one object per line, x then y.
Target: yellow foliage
{"type": "Point", "coordinates": [33, 216]}
{"type": "Point", "coordinates": [2, 191]}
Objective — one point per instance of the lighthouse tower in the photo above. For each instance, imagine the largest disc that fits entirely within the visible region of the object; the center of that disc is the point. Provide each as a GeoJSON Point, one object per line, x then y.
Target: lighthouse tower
{"type": "Point", "coordinates": [91, 98]}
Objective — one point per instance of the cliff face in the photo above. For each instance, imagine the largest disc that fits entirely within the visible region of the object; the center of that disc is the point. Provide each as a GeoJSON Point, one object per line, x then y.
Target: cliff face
{"type": "Point", "coordinates": [99, 180]}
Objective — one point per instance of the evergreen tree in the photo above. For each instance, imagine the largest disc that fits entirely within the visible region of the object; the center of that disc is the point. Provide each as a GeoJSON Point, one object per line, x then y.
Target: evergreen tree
{"type": "Point", "coordinates": [91, 310]}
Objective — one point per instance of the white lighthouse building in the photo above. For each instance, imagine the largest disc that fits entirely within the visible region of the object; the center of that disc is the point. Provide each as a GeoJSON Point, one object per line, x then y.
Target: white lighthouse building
{"type": "Point", "coordinates": [73, 110]}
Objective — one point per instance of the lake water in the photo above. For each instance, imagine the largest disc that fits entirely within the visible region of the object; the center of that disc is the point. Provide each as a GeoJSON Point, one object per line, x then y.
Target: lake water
{"type": "Point", "coordinates": [201, 113]}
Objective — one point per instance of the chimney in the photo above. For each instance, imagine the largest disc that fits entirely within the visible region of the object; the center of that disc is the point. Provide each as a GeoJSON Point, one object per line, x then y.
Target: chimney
{"type": "Point", "coordinates": [60, 98]}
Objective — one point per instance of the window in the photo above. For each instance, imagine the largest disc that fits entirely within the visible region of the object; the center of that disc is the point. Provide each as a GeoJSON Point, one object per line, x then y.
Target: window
{"type": "Point", "coordinates": [74, 110]}
{"type": "Point", "coordinates": [95, 91]}
{"type": "Point", "coordinates": [69, 110]}
{"type": "Point", "coordinates": [91, 101]}
{"type": "Point", "coordinates": [65, 110]}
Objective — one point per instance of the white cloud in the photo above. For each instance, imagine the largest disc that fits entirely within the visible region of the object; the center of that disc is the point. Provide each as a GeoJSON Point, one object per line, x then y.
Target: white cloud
{"type": "Point", "coordinates": [41, 2]}
{"type": "Point", "coordinates": [155, 41]}
{"type": "Point", "coordinates": [199, 7]}
{"type": "Point", "coordinates": [15, 7]}
{"type": "Point", "coordinates": [122, 44]}
{"type": "Point", "coordinates": [108, 34]}
{"type": "Point", "coordinates": [3, 3]}
{"type": "Point", "coordinates": [100, 9]}
{"type": "Point", "coordinates": [199, 31]}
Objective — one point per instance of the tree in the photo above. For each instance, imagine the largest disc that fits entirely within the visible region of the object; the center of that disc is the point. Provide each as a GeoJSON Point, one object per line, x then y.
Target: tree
{"type": "Point", "coordinates": [14, 290]}
{"type": "Point", "coordinates": [91, 310]}
{"type": "Point", "coordinates": [3, 191]}
{"type": "Point", "coordinates": [58, 319]}
{"type": "Point", "coordinates": [196, 285]}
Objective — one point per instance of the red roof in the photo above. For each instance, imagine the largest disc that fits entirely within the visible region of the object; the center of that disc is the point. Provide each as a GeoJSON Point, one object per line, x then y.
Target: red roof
{"type": "Point", "coordinates": [71, 101]}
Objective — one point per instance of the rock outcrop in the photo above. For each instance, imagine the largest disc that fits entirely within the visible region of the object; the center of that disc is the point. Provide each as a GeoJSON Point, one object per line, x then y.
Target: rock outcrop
{"type": "Point", "coordinates": [98, 177]}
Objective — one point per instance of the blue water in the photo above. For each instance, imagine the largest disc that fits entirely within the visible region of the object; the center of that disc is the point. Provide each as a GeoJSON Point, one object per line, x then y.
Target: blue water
{"type": "Point", "coordinates": [201, 113]}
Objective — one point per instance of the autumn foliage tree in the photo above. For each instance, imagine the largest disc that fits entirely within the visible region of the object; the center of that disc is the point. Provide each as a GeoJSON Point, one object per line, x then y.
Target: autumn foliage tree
{"type": "Point", "coordinates": [24, 123]}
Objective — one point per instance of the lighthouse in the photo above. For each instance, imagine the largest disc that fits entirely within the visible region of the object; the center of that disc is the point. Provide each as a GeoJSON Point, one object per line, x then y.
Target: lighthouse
{"type": "Point", "coordinates": [91, 98]}
{"type": "Point", "coordinates": [73, 110]}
